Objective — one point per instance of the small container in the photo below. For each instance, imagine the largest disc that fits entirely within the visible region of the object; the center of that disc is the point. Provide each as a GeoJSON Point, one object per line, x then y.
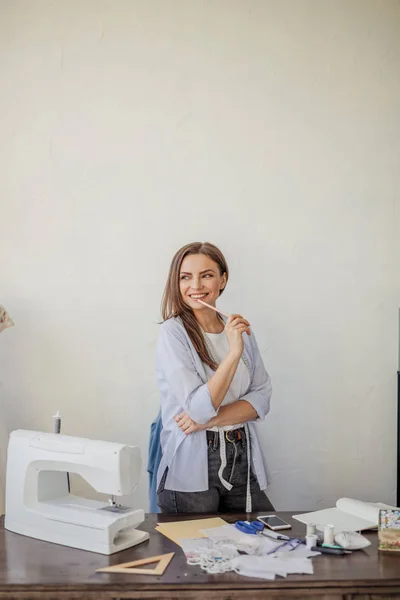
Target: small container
{"type": "Point", "coordinates": [329, 535]}
{"type": "Point", "coordinates": [311, 529]}
{"type": "Point", "coordinates": [311, 541]}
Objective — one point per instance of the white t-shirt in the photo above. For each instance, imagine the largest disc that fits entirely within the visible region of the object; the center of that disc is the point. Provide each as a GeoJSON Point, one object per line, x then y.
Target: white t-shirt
{"type": "Point", "coordinates": [241, 380]}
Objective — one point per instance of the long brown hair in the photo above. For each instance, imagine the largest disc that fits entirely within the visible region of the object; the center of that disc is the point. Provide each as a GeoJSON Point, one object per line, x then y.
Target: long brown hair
{"type": "Point", "coordinates": [173, 304]}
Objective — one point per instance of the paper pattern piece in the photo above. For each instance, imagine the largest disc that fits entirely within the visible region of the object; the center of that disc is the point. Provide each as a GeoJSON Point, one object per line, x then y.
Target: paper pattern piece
{"type": "Point", "coordinates": [266, 567]}
{"type": "Point", "coordinates": [226, 532]}
{"type": "Point", "coordinates": [181, 530]}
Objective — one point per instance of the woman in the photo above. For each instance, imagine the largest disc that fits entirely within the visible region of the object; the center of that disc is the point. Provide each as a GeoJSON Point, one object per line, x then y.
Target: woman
{"type": "Point", "coordinates": [213, 387]}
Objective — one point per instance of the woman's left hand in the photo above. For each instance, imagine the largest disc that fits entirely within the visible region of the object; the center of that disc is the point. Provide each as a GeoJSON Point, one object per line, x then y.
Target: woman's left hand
{"type": "Point", "coordinates": [186, 424]}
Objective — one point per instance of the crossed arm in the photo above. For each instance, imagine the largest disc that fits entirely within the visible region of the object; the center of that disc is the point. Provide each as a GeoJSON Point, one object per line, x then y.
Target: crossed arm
{"type": "Point", "coordinates": [240, 411]}
{"type": "Point", "coordinates": [202, 405]}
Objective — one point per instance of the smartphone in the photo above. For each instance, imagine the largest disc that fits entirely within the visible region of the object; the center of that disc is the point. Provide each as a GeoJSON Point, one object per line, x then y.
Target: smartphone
{"type": "Point", "coordinates": [273, 522]}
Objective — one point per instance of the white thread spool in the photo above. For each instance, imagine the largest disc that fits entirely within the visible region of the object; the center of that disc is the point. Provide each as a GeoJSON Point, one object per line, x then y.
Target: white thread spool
{"type": "Point", "coordinates": [311, 529]}
{"type": "Point", "coordinates": [329, 535]}
{"type": "Point", "coordinates": [311, 541]}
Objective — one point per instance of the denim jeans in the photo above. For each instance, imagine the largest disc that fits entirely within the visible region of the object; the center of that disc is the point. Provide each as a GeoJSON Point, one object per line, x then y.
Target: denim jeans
{"type": "Point", "coordinates": [217, 499]}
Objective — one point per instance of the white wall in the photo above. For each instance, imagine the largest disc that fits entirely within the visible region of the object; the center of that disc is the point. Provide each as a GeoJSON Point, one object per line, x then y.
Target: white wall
{"type": "Point", "coordinates": [270, 128]}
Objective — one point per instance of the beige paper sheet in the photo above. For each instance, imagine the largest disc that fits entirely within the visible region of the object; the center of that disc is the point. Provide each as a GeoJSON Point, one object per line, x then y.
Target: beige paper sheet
{"type": "Point", "coordinates": [181, 530]}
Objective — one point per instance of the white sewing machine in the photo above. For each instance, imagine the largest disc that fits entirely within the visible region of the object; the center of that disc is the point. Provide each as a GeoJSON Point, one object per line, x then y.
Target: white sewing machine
{"type": "Point", "coordinates": [39, 503]}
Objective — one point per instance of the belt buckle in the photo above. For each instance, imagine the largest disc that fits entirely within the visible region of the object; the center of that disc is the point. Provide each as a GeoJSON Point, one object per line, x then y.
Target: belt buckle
{"type": "Point", "coordinates": [227, 436]}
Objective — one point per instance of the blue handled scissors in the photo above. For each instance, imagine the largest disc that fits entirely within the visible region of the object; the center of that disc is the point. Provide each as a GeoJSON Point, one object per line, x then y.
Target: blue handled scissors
{"type": "Point", "coordinates": [246, 527]}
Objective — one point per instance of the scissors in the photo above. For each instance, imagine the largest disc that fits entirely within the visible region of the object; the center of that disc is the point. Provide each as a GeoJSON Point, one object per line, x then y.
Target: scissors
{"type": "Point", "coordinates": [246, 527]}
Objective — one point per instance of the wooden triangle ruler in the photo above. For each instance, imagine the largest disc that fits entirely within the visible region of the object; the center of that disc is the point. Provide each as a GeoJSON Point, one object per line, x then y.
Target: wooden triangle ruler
{"type": "Point", "coordinates": [129, 567]}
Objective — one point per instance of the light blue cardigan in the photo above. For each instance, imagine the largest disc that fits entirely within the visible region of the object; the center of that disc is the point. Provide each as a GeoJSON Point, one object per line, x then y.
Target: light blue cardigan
{"type": "Point", "coordinates": [182, 381]}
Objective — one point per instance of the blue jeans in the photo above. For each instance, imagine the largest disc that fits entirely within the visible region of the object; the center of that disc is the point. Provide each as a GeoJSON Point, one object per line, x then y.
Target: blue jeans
{"type": "Point", "coordinates": [217, 499]}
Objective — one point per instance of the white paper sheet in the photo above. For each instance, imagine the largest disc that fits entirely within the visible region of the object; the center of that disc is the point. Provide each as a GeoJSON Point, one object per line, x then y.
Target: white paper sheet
{"type": "Point", "coordinates": [349, 515]}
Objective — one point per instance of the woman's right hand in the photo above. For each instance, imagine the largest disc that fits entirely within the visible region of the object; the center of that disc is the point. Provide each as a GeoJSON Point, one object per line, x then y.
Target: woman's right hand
{"type": "Point", "coordinates": [235, 327]}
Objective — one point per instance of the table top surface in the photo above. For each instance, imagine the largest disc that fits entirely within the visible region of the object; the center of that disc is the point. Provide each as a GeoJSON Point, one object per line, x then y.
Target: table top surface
{"type": "Point", "coordinates": [26, 562]}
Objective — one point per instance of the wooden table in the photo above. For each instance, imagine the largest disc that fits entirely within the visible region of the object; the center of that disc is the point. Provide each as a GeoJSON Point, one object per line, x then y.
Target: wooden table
{"type": "Point", "coordinates": [33, 569]}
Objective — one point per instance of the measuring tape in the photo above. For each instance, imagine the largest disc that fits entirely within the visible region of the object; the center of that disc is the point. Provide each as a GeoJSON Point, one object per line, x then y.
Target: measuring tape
{"type": "Point", "coordinates": [222, 449]}
{"type": "Point", "coordinates": [222, 452]}
{"type": "Point", "coordinates": [248, 492]}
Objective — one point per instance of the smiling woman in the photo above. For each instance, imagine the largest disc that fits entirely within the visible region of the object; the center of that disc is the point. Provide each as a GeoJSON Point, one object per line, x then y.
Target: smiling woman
{"type": "Point", "coordinates": [213, 387]}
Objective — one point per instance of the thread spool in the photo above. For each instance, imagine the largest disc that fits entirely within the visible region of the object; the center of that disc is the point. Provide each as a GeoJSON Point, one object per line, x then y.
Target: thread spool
{"type": "Point", "coordinates": [329, 535]}
{"type": "Point", "coordinates": [311, 529]}
{"type": "Point", "coordinates": [57, 422]}
{"type": "Point", "coordinates": [311, 541]}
